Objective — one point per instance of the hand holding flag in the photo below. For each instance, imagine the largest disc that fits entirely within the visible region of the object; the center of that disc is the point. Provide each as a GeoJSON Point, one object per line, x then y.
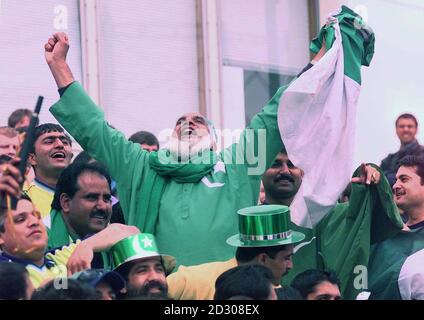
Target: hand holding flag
{"type": "Point", "coordinates": [369, 175]}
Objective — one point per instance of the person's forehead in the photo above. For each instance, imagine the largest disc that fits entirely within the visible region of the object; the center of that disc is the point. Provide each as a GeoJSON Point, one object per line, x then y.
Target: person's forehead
{"type": "Point", "coordinates": [406, 121]}
{"type": "Point", "coordinates": [7, 140]}
{"type": "Point", "coordinates": [147, 262]}
{"type": "Point", "coordinates": [282, 157]}
{"type": "Point", "coordinates": [23, 206]}
{"type": "Point", "coordinates": [191, 115]}
{"type": "Point", "coordinates": [286, 251]}
{"type": "Point", "coordinates": [89, 178]}
{"type": "Point", "coordinates": [51, 134]}
{"type": "Point", "coordinates": [149, 146]}
{"type": "Point", "coordinates": [328, 287]}
{"type": "Point", "coordinates": [407, 171]}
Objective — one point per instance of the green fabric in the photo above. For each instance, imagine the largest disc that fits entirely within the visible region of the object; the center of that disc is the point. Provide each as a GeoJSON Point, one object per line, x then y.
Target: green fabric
{"type": "Point", "coordinates": [357, 38]}
{"type": "Point", "coordinates": [191, 172]}
{"type": "Point", "coordinates": [343, 238]}
{"type": "Point", "coordinates": [191, 221]}
{"type": "Point", "coordinates": [386, 261]}
{"type": "Point", "coordinates": [58, 233]}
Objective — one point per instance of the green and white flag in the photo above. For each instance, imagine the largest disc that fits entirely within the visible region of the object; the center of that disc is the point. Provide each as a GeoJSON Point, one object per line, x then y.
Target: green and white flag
{"type": "Point", "coordinates": [411, 277]}
{"type": "Point", "coordinates": [317, 115]}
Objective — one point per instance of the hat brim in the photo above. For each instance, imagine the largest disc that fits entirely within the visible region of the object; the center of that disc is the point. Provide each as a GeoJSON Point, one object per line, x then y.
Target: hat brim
{"type": "Point", "coordinates": [169, 263]}
{"type": "Point", "coordinates": [236, 242]}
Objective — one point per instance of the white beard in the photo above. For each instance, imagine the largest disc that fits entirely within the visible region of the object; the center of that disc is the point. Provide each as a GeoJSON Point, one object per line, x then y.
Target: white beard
{"type": "Point", "coordinates": [186, 149]}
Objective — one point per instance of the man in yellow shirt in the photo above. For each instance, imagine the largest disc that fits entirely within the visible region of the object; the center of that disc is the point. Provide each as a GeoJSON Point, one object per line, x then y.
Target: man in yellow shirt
{"type": "Point", "coordinates": [23, 237]}
{"type": "Point", "coordinates": [51, 153]}
{"type": "Point", "coordinates": [264, 239]}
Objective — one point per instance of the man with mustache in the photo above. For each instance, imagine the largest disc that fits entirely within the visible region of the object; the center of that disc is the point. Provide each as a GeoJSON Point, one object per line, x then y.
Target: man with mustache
{"type": "Point", "coordinates": [82, 204]}
{"type": "Point", "coordinates": [23, 237]}
{"type": "Point", "coordinates": [343, 238]}
{"type": "Point", "coordinates": [138, 261]}
{"type": "Point", "coordinates": [396, 269]}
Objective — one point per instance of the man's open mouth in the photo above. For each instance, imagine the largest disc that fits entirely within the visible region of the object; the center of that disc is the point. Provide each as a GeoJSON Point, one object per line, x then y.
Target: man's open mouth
{"type": "Point", "coordinates": [58, 155]}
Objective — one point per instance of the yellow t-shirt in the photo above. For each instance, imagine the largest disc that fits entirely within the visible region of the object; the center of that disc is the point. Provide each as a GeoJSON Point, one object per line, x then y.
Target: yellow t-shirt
{"type": "Point", "coordinates": [197, 282]}
{"type": "Point", "coordinates": [42, 198]}
{"type": "Point", "coordinates": [54, 267]}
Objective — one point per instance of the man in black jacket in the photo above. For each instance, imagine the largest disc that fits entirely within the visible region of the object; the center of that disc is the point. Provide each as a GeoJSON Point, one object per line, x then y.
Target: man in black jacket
{"type": "Point", "coordinates": [406, 130]}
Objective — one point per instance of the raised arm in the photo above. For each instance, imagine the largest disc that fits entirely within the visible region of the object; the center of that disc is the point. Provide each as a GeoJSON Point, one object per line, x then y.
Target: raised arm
{"type": "Point", "coordinates": [80, 116]}
{"type": "Point", "coordinates": [55, 53]}
{"type": "Point", "coordinates": [83, 254]}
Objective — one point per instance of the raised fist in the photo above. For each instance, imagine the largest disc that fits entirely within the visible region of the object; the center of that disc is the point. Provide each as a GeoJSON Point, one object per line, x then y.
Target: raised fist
{"type": "Point", "coordinates": [56, 48]}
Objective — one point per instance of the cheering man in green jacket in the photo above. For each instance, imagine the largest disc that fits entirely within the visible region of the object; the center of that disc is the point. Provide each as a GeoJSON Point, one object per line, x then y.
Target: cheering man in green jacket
{"type": "Point", "coordinates": [186, 194]}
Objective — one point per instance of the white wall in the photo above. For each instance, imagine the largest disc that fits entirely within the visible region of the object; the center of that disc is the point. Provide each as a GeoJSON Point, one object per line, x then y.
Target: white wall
{"type": "Point", "coordinates": [25, 26]}
{"type": "Point", "coordinates": [148, 63]}
{"type": "Point", "coordinates": [393, 84]}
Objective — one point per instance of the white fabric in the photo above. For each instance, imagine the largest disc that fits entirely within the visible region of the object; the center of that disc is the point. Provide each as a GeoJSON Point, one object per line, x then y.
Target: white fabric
{"type": "Point", "coordinates": [411, 277]}
{"type": "Point", "coordinates": [316, 118]}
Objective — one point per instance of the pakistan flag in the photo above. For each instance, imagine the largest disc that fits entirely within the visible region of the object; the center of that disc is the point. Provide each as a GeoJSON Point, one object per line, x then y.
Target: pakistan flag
{"type": "Point", "coordinates": [316, 118]}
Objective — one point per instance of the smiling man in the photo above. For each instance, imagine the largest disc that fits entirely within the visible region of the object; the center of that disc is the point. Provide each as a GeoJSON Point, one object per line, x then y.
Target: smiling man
{"type": "Point", "coordinates": [50, 154]}
{"type": "Point", "coordinates": [406, 130]}
{"type": "Point", "coordinates": [282, 181]}
{"type": "Point", "coordinates": [138, 260]}
{"type": "Point", "coordinates": [342, 239]}
{"type": "Point", "coordinates": [394, 270]}
{"type": "Point", "coordinates": [164, 192]}
{"type": "Point", "coordinates": [23, 237]}
{"type": "Point", "coordinates": [81, 205]}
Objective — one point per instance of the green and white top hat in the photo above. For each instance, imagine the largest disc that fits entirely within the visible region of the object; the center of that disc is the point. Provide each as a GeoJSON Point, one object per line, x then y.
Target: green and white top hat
{"type": "Point", "coordinates": [263, 226]}
{"type": "Point", "coordinates": [139, 246]}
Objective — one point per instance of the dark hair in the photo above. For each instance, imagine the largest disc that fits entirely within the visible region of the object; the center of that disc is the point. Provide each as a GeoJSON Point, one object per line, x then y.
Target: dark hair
{"type": "Point", "coordinates": [3, 212]}
{"type": "Point", "coordinates": [306, 281]}
{"type": "Point", "coordinates": [83, 157]}
{"type": "Point", "coordinates": [414, 161]}
{"type": "Point", "coordinates": [17, 115]}
{"type": "Point", "coordinates": [253, 281]}
{"type": "Point", "coordinates": [247, 254]}
{"type": "Point", "coordinates": [13, 281]}
{"type": "Point", "coordinates": [46, 128]}
{"type": "Point", "coordinates": [144, 137]}
{"type": "Point", "coordinates": [407, 116]}
{"type": "Point", "coordinates": [288, 293]}
{"type": "Point", "coordinates": [70, 290]}
{"type": "Point", "coordinates": [68, 180]}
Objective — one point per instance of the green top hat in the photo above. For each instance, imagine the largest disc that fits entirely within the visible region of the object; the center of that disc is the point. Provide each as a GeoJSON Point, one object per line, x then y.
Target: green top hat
{"type": "Point", "coordinates": [264, 226]}
{"type": "Point", "coordinates": [139, 246]}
